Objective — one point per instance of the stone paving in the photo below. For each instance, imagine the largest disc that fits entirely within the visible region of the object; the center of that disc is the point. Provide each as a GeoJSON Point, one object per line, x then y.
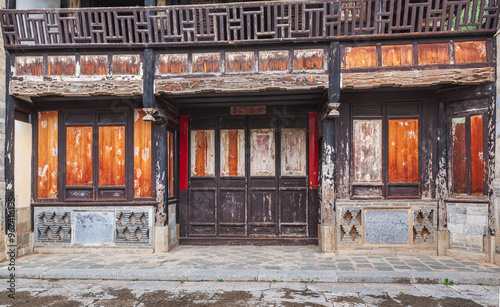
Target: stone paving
{"type": "Point", "coordinates": [254, 258]}
{"type": "Point", "coordinates": [32, 292]}
{"type": "Point", "coordinates": [255, 263]}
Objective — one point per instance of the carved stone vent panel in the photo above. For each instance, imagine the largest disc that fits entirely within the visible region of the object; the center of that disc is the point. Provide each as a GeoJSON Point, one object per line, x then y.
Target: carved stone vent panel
{"type": "Point", "coordinates": [132, 227]}
{"type": "Point", "coordinates": [423, 228]}
{"type": "Point", "coordinates": [350, 229]}
{"type": "Point", "coordinates": [54, 227]}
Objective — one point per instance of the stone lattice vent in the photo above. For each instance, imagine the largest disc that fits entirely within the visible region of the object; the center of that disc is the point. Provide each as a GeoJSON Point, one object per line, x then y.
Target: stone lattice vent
{"type": "Point", "coordinates": [132, 227]}
{"type": "Point", "coordinates": [54, 227]}
{"type": "Point", "coordinates": [423, 229]}
{"type": "Point", "coordinates": [350, 225]}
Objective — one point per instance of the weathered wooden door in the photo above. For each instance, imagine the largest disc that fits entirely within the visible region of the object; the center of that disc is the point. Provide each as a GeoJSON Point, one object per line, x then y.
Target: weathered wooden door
{"type": "Point", "coordinates": [248, 177]}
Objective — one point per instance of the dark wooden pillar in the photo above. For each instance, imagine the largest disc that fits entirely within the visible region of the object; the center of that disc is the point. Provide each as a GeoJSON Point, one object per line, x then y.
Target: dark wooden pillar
{"type": "Point", "coordinates": [9, 139]}
{"type": "Point", "coordinates": [148, 95]}
{"type": "Point", "coordinates": [183, 173]}
{"type": "Point", "coordinates": [327, 178]}
{"type": "Point", "coordinates": [161, 172]}
{"type": "Point", "coordinates": [442, 158]}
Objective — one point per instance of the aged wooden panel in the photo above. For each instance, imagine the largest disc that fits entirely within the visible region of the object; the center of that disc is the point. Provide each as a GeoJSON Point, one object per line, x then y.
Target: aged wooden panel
{"type": "Point", "coordinates": [310, 59]}
{"type": "Point", "coordinates": [397, 55]}
{"type": "Point", "coordinates": [142, 155]}
{"type": "Point", "coordinates": [367, 150]}
{"type": "Point", "coordinates": [276, 60]}
{"type": "Point", "coordinates": [206, 62]}
{"type": "Point", "coordinates": [111, 155]}
{"type": "Point", "coordinates": [232, 152]}
{"type": "Point", "coordinates": [242, 61]}
{"type": "Point", "coordinates": [403, 150]}
{"type": "Point", "coordinates": [293, 152]}
{"type": "Point", "coordinates": [202, 153]}
{"type": "Point", "coordinates": [94, 65]}
{"type": "Point", "coordinates": [173, 63]}
{"type": "Point", "coordinates": [232, 207]}
{"type": "Point", "coordinates": [360, 57]}
{"type": "Point", "coordinates": [47, 154]}
{"type": "Point", "coordinates": [170, 152]}
{"type": "Point", "coordinates": [61, 65]}
{"type": "Point", "coordinates": [29, 66]}
{"type": "Point", "coordinates": [435, 53]}
{"type": "Point", "coordinates": [470, 52]}
{"type": "Point", "coordinates": [459, 155]}
{"type": "Point", "coordinates": [293, 207]}
{"type": "Point", "coordinates": [248, 110]}
{"type": "Point", "coordinates": [313, 150]}
{"type": "Point", "coordinates": [262, 152]}
{"type": "Point", "coordinates": [129, 64]}
{"type": "Point", "coordinates": [183, 152]}
{"type": "Point", "coordinates": [476, 152]}
{"type": "Point", "coordinates": [79, 156]}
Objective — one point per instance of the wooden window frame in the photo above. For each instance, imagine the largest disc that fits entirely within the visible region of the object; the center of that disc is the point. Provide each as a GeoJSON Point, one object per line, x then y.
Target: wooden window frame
{"type": "Point", "coordinates": [128, 123]}
{"type": "Point", "coordinates": [467, 115]}
{"type": "Point", "coordinates": [387, 111]}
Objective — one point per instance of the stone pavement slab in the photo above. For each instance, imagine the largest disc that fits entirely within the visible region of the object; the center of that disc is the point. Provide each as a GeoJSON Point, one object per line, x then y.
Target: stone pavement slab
{"type": "Point", "coordinates": [32, 292]}
{"type": "Point", "coordinates": [256, 263]}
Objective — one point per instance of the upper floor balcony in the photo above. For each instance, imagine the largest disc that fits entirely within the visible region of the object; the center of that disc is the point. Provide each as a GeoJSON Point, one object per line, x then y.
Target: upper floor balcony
{"type": "Point", "coordinates": [246, 23]}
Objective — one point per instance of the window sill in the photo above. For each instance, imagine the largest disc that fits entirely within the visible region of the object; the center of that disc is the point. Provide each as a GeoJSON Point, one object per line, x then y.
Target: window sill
{"type": "Point", "coordinates": [94, 203]}
{"type": "Point", "coordinates": [467, 199]}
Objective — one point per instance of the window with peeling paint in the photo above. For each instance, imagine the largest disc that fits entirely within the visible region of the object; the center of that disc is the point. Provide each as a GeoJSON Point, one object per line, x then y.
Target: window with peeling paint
{"type": "Point", "coordinates": [385, 150]}
{"type": "Point", "coordinates": [467, 155]}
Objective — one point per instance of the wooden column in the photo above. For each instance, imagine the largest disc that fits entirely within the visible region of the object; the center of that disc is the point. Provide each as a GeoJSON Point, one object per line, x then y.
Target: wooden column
{"type": "Point", "coordinates": [9, 139]}
{"type": "Point", "coordinates": [148, 95]}
{"type": "Point", "coordinates": [327, 178]}
{"type": "Point", "coordinates": [442, 158]}
{"type": "Point", "coordinates": [183, 173]}
{"type": "Point", "coordinates": [161, 171]}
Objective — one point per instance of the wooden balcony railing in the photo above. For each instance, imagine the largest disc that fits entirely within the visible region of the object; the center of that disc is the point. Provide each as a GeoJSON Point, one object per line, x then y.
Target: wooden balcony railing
{"type": "Point", "coordinates": [237, 23]}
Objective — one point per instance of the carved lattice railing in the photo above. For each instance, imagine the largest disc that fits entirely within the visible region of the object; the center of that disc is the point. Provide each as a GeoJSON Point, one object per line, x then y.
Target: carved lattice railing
{"type": "Point", "coordinates": [238, 23]}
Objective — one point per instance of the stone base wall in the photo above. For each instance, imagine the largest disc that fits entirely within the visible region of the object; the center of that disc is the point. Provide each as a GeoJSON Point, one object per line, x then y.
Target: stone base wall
{"type": "Point", "coordinates": [386, 227]}
{"type": "Point", "coordinates": [23, 231]}
{"type": "Point", "coordinates": [467, 224]}
{"type": "Point", "coordinates": [94, 228]}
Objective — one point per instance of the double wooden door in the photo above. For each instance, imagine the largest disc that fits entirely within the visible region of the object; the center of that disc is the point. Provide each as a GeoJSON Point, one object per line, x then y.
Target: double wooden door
{"type": "Point", "coordinates": [248, 177]}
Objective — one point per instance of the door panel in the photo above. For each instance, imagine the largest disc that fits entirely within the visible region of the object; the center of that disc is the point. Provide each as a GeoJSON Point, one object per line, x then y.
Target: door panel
{"type": "Point", "coordinates": [262, 152]}
{"type": "Point", "coordinates": [249, 178]}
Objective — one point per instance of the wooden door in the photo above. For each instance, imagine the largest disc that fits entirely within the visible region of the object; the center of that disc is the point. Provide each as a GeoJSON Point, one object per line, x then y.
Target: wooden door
{"type": "Point", "coordinates": [248, 178]}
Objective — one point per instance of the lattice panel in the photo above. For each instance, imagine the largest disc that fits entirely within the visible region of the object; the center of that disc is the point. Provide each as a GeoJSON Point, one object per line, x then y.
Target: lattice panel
{"type": "Point", "coordinates": [423, 228]}
{"type": "Point", "coordinates": [132, 227]}
{"type": "Point", "coordinates": [244, 22]}
{"type": "Point", "coordinates": [54, 227]}
{"type": "Point", "coordinates": [350, 229]}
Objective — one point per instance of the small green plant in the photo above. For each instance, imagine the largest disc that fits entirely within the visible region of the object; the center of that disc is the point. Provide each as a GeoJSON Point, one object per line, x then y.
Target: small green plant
{"type": "Point", "coordinates": [183, 281]}
{"type": "Point", "coordinates": [220, 280]}
{"type": "Point", "coordinates": [312, 281]}
{"type": "Point", "coordinates": [183, 290]}
{"type": "Point", "coordinates": [273, 281]}
{"type": "Point", "coordinates": [327, 291]}
{"type": "Point", "coordinates": [137, 279]}
{"type": "Point", "coordinates": [401, 292]}
{"type": "Point", "coordinates": [480, 283]}
{"type": "Point", "coordinates": [448, 282]}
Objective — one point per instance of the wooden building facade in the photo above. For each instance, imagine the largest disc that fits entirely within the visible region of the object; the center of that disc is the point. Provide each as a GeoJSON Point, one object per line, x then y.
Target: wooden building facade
{"type": "Point", "coordinates": [360, 126]}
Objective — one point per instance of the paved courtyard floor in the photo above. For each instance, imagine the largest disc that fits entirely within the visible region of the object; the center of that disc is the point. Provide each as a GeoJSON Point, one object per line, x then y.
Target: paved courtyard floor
{"type": "Point", "coordinates": [36, 292]}
{"type": "Point", "coordinates": [254, 258]}
{"type": "Point", "coordinates": [255, 263]}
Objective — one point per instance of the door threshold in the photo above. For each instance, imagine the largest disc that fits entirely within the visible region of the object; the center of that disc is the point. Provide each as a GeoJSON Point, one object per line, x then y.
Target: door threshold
{"type": "Point", "coordinates": [247, 241]}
